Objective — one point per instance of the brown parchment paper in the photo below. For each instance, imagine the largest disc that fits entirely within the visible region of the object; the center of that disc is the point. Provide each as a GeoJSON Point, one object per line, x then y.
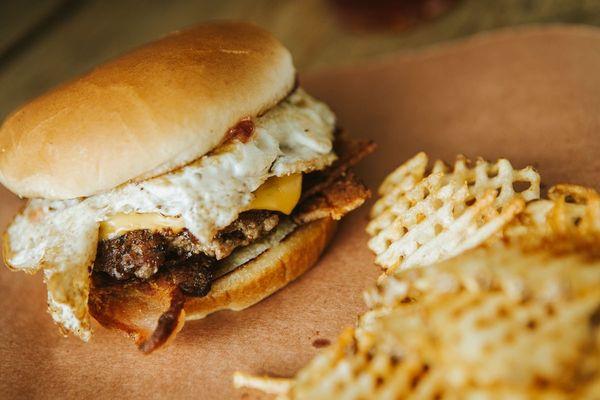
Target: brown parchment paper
{"type": "Point", "coordinates": [532, 95]}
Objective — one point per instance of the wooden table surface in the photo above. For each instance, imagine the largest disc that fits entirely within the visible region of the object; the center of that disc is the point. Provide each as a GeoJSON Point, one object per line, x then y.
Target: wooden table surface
{"type": "Point", "coordinates": [44, 42]}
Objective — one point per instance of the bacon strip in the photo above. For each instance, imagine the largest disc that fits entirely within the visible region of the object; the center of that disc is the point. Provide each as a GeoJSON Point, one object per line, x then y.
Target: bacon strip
{"type": "Point", "coordinates": [135, 308]}
{"type": "Point", "coordinates": [349, 151]}
{"type": "Point", "coordinates": [343, 195]}
{"type": "Point", "coordinates": [169, 323]}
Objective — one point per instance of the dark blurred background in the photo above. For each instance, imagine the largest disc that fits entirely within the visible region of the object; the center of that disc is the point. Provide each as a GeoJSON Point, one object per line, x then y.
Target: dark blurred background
{"type": "Point", "coordinates": [43, 42]}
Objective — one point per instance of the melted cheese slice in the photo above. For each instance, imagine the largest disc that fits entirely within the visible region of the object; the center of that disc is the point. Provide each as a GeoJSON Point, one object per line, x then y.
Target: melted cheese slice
{"type": "Point", "coordinates": [276, 194]}
{"type": "Point", "coordinates": [120, 224]}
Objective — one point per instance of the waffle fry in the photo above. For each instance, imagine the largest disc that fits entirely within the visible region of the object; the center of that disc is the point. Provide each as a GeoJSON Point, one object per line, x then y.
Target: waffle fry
{"type": "Point", "coordinates": [266, 384]}
{"type": "Point", "coordinates": [570, 210]}
{"type": "Point", "coordinates": [401, 180]}
{"type": "Point", "coordinates": [461, 328]}
{"type": "Point", "coordinates": [418, 222]}
{"type": "Point", "coordinates": [568, 221]}
{"type": "Point", "coordinates": [576, 210]}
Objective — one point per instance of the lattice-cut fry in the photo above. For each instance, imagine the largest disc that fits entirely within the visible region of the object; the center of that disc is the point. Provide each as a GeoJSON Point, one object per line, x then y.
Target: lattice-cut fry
{"type": "Point", "coordinates": [267, 384]}
{"type": "Point", "coordinates": [401, 180]}
{"type": "Point", "coordinates": [571, 210]}
{"type": "Point", "coordinates": [495, 322]}
{"type": "Point", "coordinates": [576, 209]}
{"type": "Point", "coordinates": [446, 212]}
{"type": "Point", "coordinates": [442, 235]}
{"type": "Point", "coordinates": [567, 222]}
{"type": "Point", "coordinates": [412, 170]}
{"type": "Point", "coordinates": [500, 176]}
{"type": "Point", "coordinates": [573, 194]}
{"type": "Point", "coordinates": [427, 194]}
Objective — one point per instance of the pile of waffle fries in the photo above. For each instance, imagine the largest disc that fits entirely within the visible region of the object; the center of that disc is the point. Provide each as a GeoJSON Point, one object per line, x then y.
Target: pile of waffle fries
{"type": "Point", "coordinates": [488, 292]}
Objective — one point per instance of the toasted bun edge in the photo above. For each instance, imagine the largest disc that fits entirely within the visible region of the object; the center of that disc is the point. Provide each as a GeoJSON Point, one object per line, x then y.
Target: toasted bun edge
{"type": "Point", "coordinates": [266, 274]}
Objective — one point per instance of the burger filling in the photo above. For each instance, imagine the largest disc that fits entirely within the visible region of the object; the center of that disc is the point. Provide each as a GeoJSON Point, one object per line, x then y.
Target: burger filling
{"type": "Point", "coordinates": [170, 234]}
{"type": "Point", "coordinates": [134, 246]}
{"type": "Point", "coordinates": [139, 275]}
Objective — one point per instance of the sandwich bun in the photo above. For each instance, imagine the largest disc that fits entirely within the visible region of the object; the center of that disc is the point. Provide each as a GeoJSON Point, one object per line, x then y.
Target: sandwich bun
{"type": "Point", "coordinates": [267, 273]}
{"type": "Point", "coordinates": [145, 113]}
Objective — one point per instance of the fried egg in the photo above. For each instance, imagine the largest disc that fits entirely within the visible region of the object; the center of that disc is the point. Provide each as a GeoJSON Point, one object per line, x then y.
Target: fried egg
{"type": "Point", "coordinates": [61, 237]}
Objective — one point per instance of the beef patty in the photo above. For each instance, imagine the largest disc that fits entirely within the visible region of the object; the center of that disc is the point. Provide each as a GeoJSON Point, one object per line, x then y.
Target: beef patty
{"type": "Point", "coordinates": [141, 253]}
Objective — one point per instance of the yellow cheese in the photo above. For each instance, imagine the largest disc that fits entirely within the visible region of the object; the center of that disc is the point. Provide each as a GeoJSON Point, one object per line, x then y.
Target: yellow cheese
{"type": "Point", "coordinates": [120, 224]}
{"type": "Point", "coordinates": [276, 194]}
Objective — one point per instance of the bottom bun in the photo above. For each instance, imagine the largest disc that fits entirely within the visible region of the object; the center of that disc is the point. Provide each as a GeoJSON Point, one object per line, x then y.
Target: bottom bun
{"type": "Point", "coordinates": [267, 273]}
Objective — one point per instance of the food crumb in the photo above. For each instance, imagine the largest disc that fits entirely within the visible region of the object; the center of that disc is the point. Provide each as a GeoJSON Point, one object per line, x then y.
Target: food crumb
{"type": "Point", "coordinates": [321, 342]}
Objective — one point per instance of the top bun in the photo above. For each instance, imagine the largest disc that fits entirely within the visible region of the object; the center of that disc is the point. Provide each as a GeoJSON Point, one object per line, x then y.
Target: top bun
{"type": "Point", "coordinates": [150, 111]}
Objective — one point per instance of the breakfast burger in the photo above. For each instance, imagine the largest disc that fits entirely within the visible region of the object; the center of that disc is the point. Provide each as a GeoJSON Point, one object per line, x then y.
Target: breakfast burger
{"type": "Point", "coordinates": [188, 176]}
